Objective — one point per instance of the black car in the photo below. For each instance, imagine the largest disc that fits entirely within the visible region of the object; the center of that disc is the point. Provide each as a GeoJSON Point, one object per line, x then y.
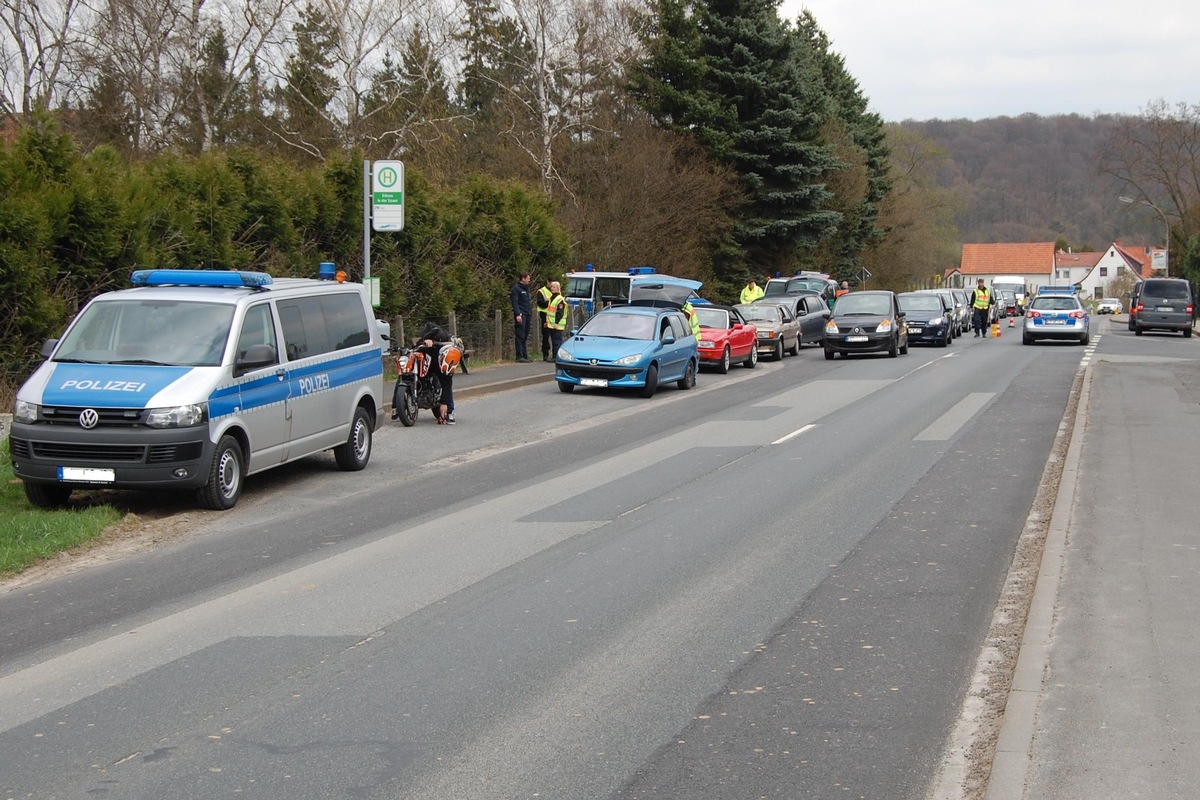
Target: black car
{"type": "Point", "coordinates": [809, 309]}
{"type": "Point", "coordinates": [866, 322]}
{"type": "Point", "coordinates": [927, 319]}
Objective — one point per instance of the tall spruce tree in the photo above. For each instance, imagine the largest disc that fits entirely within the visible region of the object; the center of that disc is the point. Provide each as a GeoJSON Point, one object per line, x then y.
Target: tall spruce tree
{"type": "Point", "coordinates": [862, 136]}
{"type": "Point", "coordinates": [735, 77]}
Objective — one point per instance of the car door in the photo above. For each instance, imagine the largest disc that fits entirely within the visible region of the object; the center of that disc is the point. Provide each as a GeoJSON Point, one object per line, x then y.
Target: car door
{"type": "Point", "coordinates": [678, 345]}
{"type": "Point", "coordinates": [812, 323]}
{"type": "Point", "coordinates": [790, 328]}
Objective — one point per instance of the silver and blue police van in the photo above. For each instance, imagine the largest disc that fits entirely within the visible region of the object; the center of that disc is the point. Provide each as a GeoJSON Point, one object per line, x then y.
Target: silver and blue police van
{"type": "Point", "coordinates": [195, 379]}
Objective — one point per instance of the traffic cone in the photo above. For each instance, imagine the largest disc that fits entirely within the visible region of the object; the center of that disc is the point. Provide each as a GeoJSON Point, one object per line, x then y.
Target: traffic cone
{"type": "Point", "coordinates": [1011, 321]}
{"type": "Point", "coordinates": [995, 330]}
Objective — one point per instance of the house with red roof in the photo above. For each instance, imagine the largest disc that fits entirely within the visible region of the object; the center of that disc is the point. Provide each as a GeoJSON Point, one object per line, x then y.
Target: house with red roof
{"type": "Point", "coordinates": [1117, 262]}
{"type": "Point", "coordinates": [1033, 262]}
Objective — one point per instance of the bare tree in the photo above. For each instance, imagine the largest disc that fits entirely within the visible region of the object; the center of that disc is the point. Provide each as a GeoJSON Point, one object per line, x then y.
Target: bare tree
{"type": "Point", "coordinates": [1155, 158]}
{"type": "Point", "coordinates": [39, 44]}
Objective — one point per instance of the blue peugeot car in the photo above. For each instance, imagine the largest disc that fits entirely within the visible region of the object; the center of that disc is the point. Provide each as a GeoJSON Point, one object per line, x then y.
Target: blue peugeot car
{"type": "Point", "coordinates": [634, 346]}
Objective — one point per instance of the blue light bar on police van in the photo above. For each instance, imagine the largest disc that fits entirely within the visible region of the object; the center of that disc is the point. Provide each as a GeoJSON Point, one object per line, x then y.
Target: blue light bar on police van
{"type": "Point", "coordinates": [198, 277]}
{"type": "Point", "coordinates": [641, 270]}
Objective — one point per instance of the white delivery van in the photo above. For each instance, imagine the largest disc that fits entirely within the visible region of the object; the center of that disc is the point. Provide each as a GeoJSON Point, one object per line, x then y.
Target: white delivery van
{"type": "Point", "coordinates": [194, 379]}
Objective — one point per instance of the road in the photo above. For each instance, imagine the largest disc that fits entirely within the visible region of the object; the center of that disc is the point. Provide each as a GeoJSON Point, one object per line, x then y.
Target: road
{"type": "Point", "coordinates": [775, 585]}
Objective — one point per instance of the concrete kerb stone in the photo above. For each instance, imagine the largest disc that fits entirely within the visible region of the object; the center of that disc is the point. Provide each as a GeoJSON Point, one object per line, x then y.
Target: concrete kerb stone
{"type": "Point", "coordinates": [1011, 761]}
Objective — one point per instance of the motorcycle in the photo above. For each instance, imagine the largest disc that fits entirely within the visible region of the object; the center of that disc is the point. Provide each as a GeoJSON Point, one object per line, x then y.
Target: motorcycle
{"type": "Point", "coordinates": [417, 384]}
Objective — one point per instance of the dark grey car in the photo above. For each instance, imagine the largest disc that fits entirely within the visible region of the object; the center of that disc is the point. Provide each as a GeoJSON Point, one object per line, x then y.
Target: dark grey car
{"type": "Point", "coordinates": [866, 322]}
{"type": "Point", "coordinates": [1165, 304]}
{"type": "Point", "coordinates": [810, 310]}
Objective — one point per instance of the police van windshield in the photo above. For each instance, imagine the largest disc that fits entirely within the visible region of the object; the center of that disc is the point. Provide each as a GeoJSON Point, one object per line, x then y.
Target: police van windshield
{"type": "Point", "coordinates": [148, 332]}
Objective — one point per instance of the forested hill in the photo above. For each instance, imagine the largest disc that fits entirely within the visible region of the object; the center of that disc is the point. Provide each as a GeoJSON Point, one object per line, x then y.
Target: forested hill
{"type": "Point", "coordinates": [1034, 178]}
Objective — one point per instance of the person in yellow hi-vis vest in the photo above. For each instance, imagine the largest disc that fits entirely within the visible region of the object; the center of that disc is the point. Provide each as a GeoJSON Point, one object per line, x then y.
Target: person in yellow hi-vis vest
{"type": "Point", "coordinates": [752, 292]}
{"type": "Point", "coordinates": [981, 301]}
{"type": "Point", "coordinates": [693, 319]}
{"type": "Point", "coordinates": [556, 318]}
{"type": "Point", "coordinates": [541, 299]}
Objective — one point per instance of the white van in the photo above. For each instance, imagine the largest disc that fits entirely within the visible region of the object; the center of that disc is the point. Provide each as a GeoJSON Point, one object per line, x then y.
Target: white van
{"type": "Point", "coordinates": [194, 379]}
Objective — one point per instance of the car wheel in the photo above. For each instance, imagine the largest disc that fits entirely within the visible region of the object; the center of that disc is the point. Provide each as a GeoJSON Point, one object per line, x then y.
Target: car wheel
{"type": "Point", "coordinates": [751, 360]}
{"type": "Point", "coordinates": [47, 495]}
{"type": "Point", "coordinates": [356, 452]}
{"type": "Point", "coordinates": [1131, 327]}
{"type": "Point", "coordinates": [688, 380]}
{"type": "Point", "coordinates": [225, 474]}
{"type": "Point", "coordinates": [651, 381]}
{"type": "Point", "coordinates": [1187, 333]}
{"type": "Point", "coordinates": [795, 351]}
{"type": "Point", "coordinates": [945, 342]}
{"type": "Point", "coordinates": [779, 350]}
{"type": "Point", "coordinates": [1137, 330]}
{"type": "Point", "coordinates": [566, 388]}
{"type": "Point", "coordinates": [723, 367]}
{"type": "Point", "coordinates": [828, 354]}
{"type": "Point", "coordinates": [1083, 340]}
{"type": "Point", "coordinates": [893, 349]}
{"type": "Point", "coordinates": [1026, 339]}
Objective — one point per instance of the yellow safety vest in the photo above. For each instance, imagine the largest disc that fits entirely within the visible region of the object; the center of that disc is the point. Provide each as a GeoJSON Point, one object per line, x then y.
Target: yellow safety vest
{"type": "Point", "coordinates": [750, 295]}
{"type": "Point", "coordinates": [693, 319]}
{"type": "Point", "coordinates": [556, 313]}
{"type": "Point", "coordinates": [982, 300]}
{"type": "Point", "coordinates": [543, 299]}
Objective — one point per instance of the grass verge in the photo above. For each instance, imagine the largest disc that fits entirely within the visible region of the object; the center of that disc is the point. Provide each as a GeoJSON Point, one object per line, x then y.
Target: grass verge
{"type": "Point", "coordinates": [29, 535]}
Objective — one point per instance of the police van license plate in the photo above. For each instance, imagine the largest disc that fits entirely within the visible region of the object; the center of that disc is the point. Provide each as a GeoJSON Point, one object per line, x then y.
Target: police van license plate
{"type": "Point", "coordinates": [86, 474]}
{"type": "Point", "coordinates": [593, 382]}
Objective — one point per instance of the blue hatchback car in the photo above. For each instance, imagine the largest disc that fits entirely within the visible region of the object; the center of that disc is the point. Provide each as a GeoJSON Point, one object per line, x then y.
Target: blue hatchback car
{"type": "Point", "coordinates": [635, 346]}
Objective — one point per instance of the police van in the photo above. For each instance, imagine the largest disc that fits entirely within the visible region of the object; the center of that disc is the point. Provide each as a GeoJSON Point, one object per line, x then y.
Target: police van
{"type": "Point", "coordinates": [588, 291]}
{"type": "Point", "coordinates": [194, 379]}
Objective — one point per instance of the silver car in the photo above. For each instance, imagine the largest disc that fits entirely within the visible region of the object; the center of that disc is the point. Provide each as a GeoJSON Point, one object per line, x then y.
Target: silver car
{"type": "Point", "coordinates": [778, 330]}
{"type": "Point", "coordinates": [1056, 316]}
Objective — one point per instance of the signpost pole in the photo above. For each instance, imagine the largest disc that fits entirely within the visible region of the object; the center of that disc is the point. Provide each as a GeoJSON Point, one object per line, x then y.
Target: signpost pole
{"type": "Point", "coordinates": [366, 221]}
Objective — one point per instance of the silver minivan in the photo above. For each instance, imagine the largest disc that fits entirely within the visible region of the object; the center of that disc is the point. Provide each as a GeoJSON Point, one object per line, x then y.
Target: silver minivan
{"type": "Point", "coordinates": [194, 379]}
{"type": "Point", "coordinates": [1164, 304]}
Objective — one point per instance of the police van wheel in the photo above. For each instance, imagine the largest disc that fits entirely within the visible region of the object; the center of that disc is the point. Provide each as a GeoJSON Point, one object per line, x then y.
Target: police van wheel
{"type": "Point", "coordinates": [356, 452]}
{"type": "Point", "coordinates": [225, 475]}
{"type": "Point", "coordinates": [45, 495]}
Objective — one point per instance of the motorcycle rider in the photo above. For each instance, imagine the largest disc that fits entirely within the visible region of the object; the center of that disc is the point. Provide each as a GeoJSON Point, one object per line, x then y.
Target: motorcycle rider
{"type": "Point", "coordinates": [430, 343]}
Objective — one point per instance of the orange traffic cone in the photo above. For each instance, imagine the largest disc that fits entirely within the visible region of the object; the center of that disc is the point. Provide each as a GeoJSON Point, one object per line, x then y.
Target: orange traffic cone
{"type": "Point", "coordinates": [995, 330]}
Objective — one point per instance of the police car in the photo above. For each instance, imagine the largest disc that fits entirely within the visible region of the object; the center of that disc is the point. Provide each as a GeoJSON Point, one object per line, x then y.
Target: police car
{"type": "Point", "coordinates": [194, 379]}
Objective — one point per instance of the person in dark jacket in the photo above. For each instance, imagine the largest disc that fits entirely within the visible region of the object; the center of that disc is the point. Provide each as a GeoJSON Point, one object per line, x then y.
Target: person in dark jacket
{"type": "Point", "coordinates": [543, 300]}
{"type": "Point", "coordinates": [430, 342]}
{"type": "Point", "coordinates": [522, 308]}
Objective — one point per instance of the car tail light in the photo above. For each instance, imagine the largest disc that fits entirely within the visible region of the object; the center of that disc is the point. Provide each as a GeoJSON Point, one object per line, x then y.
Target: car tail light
{"type": "Point", "coordinates": [1078, 314]}
{"type": "Point", "coordinates": [1189, 309]}
{"type": "Point", "coordinates": [1035, 314]}
{"type": "Point", "coordinates": [1139, 307]}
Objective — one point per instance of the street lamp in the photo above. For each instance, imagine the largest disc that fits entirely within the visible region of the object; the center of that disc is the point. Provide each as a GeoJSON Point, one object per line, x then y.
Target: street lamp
{"type": "Point", "coordinates": [1167, 225]}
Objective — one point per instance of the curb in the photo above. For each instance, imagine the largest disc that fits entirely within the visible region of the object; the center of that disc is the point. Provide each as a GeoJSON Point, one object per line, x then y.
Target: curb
{"type": "Point", "coordinates": [1014, 745]}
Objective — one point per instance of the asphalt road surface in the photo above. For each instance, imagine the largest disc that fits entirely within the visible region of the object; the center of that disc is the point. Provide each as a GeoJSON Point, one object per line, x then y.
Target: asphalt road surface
{"type": "Point", "coordinates": [775, 585]}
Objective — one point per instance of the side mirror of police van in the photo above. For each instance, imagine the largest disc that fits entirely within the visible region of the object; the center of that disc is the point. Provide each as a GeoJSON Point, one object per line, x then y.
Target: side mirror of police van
{"type": "Point", "coordinates": [256, 356]}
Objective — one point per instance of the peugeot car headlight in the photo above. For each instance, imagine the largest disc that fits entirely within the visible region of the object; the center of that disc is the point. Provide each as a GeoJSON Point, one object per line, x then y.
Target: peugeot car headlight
{"type": "Point", "coordinates": [565, 355]}
{"type": "Point", "coordinates": [627, 360]}
{"type": "Point", "coordinates": [178, 416]}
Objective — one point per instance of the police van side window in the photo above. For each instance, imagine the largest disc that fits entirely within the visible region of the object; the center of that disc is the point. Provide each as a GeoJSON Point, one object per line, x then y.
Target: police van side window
{"type": "Point", "coordinates": [304, 332]}
{"type": "Point", "coordinates": [345, 320]}
{"type": "Point", "coordinates": [257, 328]}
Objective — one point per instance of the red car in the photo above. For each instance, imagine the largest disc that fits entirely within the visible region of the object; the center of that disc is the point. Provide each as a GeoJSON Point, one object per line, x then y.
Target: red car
{"type": "Point", "coordinates": [725, 337]}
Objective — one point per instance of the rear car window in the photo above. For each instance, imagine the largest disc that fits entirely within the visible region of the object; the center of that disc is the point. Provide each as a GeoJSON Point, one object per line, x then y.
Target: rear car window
{"type": "Point", "coordinates": [1167, 290]}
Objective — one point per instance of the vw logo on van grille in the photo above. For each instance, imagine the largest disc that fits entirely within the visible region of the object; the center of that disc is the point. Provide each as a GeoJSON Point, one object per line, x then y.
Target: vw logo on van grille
{"type": "Point", "coordinates": [88, 418]}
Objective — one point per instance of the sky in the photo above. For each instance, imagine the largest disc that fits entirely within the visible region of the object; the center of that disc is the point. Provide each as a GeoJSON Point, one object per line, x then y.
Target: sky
{"type": "Point", "coordinates": [954, 59]}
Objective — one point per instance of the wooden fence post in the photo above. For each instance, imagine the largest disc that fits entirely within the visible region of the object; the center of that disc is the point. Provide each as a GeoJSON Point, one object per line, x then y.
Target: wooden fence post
{"type": "Point", "coordinates": [499, 335]}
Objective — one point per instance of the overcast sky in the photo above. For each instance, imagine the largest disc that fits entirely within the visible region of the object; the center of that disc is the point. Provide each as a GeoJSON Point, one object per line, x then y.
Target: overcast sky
{"type": "Point", "coordinates": [949, 59]}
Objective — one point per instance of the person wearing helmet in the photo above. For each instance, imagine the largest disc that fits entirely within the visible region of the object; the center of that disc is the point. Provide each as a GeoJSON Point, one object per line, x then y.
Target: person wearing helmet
{"type": "Point", "coordinates": [430, 342]}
